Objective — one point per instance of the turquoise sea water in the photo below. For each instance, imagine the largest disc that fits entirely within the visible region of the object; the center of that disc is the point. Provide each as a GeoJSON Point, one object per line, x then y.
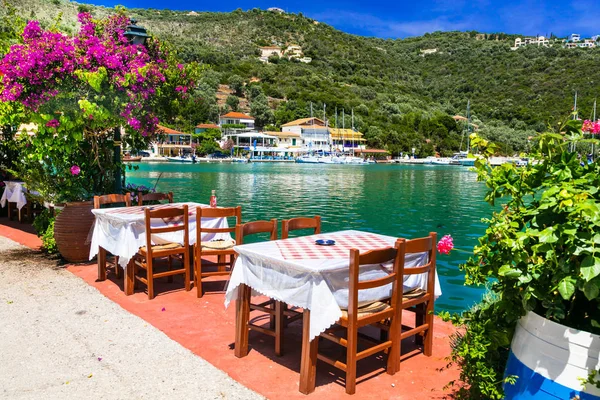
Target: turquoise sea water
{"type": "Point", "coordinates": [396, 200]}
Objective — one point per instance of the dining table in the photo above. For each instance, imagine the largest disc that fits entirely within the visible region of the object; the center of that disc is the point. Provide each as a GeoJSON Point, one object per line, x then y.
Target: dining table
{"type": "Point", "coordinates": [303, 274]}
{"type": "Point", "coordinates": [121, 231]}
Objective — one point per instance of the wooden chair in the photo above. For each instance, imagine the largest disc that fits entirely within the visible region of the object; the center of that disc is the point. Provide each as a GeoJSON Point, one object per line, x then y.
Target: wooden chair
{"type": "Point", "coordinates": [356, 317]}
{"type": "Point", "coordinates": [146, 255]}
{"type": "Point", "coordinates": [275, 309]}
{"type": "Point", "coordinates": [151, 197]}
{"type": "Point", "coordinates": [221, 250]}
{"type": "Point", "coordinates": [419, 300]}
{"type": "Point", "coordinates": [300, 223]}
{"type": "Point", "coordinates": [99, 201]}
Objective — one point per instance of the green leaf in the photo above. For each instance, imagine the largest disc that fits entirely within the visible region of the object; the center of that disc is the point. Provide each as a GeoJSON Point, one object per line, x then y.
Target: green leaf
{"type": "Point", "coordinates": [566, 288]}
{"type": "Point", "coordinates": [591, 290]}
{"type": "Point", "coordinates": [590, 268]}
{"type": "Point", "coordinates": [509, 272]}
{"type": "Point", "coordinates": [548, 236]}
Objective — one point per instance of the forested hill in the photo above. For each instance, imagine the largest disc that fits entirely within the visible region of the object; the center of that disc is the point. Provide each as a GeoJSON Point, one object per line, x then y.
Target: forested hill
{"type": "Point", "coordinates": [399, 95]}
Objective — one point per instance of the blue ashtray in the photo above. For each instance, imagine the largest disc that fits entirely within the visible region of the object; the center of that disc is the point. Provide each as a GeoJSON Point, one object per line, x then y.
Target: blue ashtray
{"type": "Point", "coordinates": [325, 242]}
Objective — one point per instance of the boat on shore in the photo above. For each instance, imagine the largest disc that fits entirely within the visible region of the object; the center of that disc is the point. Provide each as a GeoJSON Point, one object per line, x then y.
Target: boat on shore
{"type": "Point", "coordinates": [132, 159]}
{"type": "Point", "coordinates": [181, 159]}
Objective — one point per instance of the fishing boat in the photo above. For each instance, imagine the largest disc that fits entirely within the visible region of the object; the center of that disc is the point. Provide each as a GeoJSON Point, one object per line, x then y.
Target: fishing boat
{"type": "Point", "coordinates": [441, 161]}
{"type": "Point", "coordinates": [182, 159]}
{"type": "Point", "coordinates": [132, 159]}
{"type": "Point", "coordinates": [239, 160]}
{"type": "Point", "coordinates": [308, 159]}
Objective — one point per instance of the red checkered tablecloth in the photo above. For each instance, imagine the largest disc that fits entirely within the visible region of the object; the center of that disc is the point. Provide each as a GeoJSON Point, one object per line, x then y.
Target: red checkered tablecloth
{"type": "Point", "coordinates": [305, 247]}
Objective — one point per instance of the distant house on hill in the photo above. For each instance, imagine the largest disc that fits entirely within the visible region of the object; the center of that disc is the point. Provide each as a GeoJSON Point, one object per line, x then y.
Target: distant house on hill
{"type": "Point", "coordinates": [268, 51]}
{"type": "Point", "coordinates": [314, 132]}
{"type": "Point", "coordinates": [532, 41]}
{"type": "Point", "coordinates": [203, 127]}
{"type": "Point", "coordinates": [236, 118]}
{"type": "Point", "coordinates": [276, 9]}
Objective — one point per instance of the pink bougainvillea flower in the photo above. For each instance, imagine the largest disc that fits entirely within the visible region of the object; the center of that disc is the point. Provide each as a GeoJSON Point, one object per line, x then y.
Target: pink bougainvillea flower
{"type": "Point", "coordinates": [587, 126]}
{"type": "Point", "coordinates": [163, 309]}
{"type": "Point", "coordinates": [596, 128]}
{"type": "Point", "coordinates": [53, 123]}
{"type": "Point", "coordinates": [445, 245]}
{"type": "Point", "coordinates": [99, 358]}
{"type": "Point", "coordinates": [75, 170]}
{"type": "Point", "coordinates": [180, 66]}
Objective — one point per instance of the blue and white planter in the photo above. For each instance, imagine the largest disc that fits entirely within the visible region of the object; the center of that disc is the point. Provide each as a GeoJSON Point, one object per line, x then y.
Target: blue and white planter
{"type": "Point", "coordinates": [550, 360]}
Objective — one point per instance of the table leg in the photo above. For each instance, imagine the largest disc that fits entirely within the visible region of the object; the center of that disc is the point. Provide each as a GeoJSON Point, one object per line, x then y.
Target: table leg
{"type": "Point", "coordinates": [308, 363]}
{"type": "Point", "coordinates": [101, 264]}
{"type": "Point", "coordinates": [242, 316]}
{"type": "Point", "coordinates": [129, 278]}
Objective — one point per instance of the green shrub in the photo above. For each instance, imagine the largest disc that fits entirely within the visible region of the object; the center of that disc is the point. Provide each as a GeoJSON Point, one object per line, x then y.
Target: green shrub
{"type": "Point", "coordinates": [44, 227]}
{"type": "Point", "coordinates": [42, 221]}
{"type": "Point", "coordinates": [48, 242]}
{"type": "Point", "coordinates": [537, 254]}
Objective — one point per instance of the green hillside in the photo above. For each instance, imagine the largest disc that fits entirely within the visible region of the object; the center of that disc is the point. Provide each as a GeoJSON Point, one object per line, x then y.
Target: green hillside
{"type": "Point", "coordinates": [400, 97]}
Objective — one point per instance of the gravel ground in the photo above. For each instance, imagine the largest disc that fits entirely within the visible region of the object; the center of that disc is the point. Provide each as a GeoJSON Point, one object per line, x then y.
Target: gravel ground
{"type": "Point", "coordinates": [62, 339]}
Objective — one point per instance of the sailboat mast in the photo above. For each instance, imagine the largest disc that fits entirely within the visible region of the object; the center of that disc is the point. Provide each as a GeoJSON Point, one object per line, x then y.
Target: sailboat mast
{"type": "Point", "coordinates": [468, 124]}
{"type": "Point", "coordinates": [336, 123]}
{"type": "Point", "coordinates": [343, 130]}
{"type": "Point", "coordinates": [353, 132]}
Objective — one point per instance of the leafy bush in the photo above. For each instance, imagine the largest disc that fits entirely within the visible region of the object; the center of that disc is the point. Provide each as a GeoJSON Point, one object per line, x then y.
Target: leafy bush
{"type": "Point", "coordinates": [539, 250]}
{"type": "Point", "coordinates": [44, 227]}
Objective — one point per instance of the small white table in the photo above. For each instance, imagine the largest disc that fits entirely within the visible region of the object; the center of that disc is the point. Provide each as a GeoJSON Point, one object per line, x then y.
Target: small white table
{"type": "Point", "coordinates": [14, 192]}
{"type": "Point", "coordinates": [122, 231]}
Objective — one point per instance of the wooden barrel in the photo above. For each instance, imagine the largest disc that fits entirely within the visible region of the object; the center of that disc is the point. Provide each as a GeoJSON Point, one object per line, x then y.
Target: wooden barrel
{"type": "Point", "coordinates": [71, 229]}
{"type": "Point", "coordinates": [550, 360]}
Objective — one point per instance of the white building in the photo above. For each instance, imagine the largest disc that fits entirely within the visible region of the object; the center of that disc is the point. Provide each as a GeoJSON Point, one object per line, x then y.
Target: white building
{"type": "Point", "coordinates": [276, 9]}
{"type": "Point", "coordinates": [574, 37]}
{"type": "Point", "coordinates": [236, 118]}
{"type": "Point", "coordinates": [533, 41]}
{"type": "Point", "coordinates": [313, 131]}
{"type": "Point", "coordinates": [268, 51]}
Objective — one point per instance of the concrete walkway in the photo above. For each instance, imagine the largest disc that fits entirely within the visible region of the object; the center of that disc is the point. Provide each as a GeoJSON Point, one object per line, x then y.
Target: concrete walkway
{"type": "Point", "coordinates": [60, 338]}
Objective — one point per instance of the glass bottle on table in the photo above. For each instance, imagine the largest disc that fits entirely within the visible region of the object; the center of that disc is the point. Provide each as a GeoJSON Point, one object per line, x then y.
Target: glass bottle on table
{"type": "Point", "coordinates": [213, 199]}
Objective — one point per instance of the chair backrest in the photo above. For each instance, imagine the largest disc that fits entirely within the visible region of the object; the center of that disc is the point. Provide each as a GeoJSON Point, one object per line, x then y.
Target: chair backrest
{"type": "Point", "coordinates": [300, 223]}
{"type": "Point", "coordinates": [112, 199]}
{"type": "Point", "coordinates": [154, 197]}
{"type": "Point", "coordinates": [176, 219]}
{"type": "Point", "coordinates": [251, 228]}
{"type": "Point", "coordinates": [217, 212]}
{"type": "Point", "coordinates": [379, 256]}
{"type": "Point", "coordinates": [422, 245]}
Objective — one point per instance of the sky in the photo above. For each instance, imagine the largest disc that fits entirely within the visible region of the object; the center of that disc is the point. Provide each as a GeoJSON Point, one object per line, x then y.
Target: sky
{"type": "Point", "coordinates": [400, 19]}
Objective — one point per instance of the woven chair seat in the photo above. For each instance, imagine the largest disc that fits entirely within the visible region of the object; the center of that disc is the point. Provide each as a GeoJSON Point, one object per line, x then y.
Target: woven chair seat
{"type": "Point", "coordinates": [218, 244]}
{"type": "Point", "coordinates": [413, 294]}
{"type": "Point", "coordinates": [164, 246]}
{"type": "Point", "coordinates": [368, 309]}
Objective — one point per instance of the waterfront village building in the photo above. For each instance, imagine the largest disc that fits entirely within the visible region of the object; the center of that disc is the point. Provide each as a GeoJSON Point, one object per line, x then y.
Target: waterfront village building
{"type": "Point", "coordinates": [293, 51]}
{"type": "Point", "coordinates": [237, 118]}
{"type": "Point", "coordinates": [172, 143]}
{"type": "Point", "coordinates": [316, 135]}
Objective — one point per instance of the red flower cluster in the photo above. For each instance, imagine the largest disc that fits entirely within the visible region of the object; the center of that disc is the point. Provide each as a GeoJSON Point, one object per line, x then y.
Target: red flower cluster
{"type": "Point", "coordinates": [591, 127]}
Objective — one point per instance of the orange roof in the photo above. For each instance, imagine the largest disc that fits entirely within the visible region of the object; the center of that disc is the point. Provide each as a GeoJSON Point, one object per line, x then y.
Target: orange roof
{"type": "Point", "coordinates": [170, 131]}
{"type": "Point", "coordinates": [236, 115]}
{"type": "Point", "coordinates": [305, 121]}
{"type": "Point", "coordinates": [207, 126]}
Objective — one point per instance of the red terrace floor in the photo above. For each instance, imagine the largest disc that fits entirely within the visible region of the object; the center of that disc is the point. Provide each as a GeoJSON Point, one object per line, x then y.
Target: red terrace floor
{"type": "Point", "coordinates": [206, 328]}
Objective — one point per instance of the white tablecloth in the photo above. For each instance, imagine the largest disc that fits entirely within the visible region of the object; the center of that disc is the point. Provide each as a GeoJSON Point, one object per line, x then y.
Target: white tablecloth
{"type": "Point", "coordinates": [122, 230]}
{"type": "Point", "coordinates": [14, 192]}
{"type": "Point", "coordinates": [320, 285]}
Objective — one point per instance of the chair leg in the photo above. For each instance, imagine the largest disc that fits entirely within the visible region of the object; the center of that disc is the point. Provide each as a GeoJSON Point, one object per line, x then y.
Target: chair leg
{"type": "Point", "coordinates": [10, 211]}
{"type": "Point", "coordinates": [221, 259]}
{"type": "Point", "coordinates": [428, 347]}
{"type": "Point", "coordinates": [186, 266]}
{"type": "Point", "coordinates": [419, 320]}
{"type": "Point", "coordinates": [101, 264]}
{"type": "Point", "coordinates": [150, 278]}
{"type": "Point", "coordinates": [170, 277]}
{"type": "Point", "coordinates": [398, 334]}
{"type": "Point", "coordinates": [351, 360]}
{"type": "Point", "coordinates": [278, 328]}
{"type": "Point", "coordinates": [117, 268]}
{"type": "Point", "coordinates": [198, 277]}
{"type": "Point", "coordinates": [393, 361]}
